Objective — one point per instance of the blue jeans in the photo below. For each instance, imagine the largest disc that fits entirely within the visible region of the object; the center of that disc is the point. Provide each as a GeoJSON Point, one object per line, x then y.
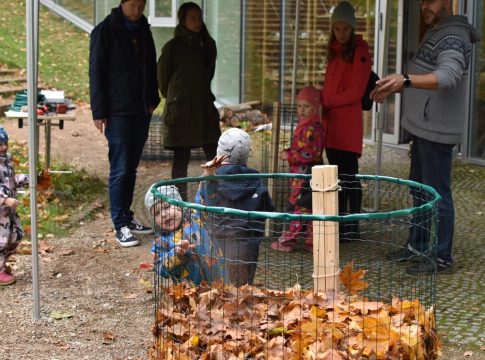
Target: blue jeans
{"type": "Point", "coordinates": [126, 137]}
{"type": "Point", "coordinates": [431, 165]}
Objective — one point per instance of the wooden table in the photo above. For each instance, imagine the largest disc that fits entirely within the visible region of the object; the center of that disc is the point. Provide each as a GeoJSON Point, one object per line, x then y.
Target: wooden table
{"type": "Point", "coordinates": [47, 121]}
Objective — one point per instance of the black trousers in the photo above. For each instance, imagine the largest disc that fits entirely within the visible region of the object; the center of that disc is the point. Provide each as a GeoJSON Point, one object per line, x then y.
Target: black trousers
{"type": "Point", "coordinates": [181, 158]}
{"type": "Point", "coordinates": [350, 197]}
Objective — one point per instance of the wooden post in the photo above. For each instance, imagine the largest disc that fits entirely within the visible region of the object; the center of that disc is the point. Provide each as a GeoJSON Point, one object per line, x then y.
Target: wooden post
{"type": "Point", "coordinates": [325, 233]}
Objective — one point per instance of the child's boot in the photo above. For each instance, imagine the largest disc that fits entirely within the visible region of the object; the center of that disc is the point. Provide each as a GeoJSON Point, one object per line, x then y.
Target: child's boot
{"type": "Point", "coordinates": [6, 279]}
{"type": "Point", "coordinates": [286, 242]}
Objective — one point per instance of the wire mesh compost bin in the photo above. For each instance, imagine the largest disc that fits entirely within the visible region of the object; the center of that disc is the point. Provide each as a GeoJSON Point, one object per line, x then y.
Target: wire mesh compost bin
{"type": "Point", "coordinates": [154, 149]}
{"type": "Point", "coordinates": [215, 299]}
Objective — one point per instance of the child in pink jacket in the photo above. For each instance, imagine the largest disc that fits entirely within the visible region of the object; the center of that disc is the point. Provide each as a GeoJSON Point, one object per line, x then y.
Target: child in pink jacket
{"type": "Point", "coordinates": [10, 231]}
{"type": "Point", "coordinates": [305, 151]}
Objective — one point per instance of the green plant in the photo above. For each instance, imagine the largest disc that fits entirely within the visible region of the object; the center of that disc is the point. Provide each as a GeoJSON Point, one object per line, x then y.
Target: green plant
{"type": "Point", "coordinates": [63, 49]}
{"type": "Point", "coordinates": [59, 196]}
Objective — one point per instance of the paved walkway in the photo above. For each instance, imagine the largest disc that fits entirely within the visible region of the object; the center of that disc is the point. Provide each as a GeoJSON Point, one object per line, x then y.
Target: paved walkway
{"type": "Point", "coordinates": [459, 296]}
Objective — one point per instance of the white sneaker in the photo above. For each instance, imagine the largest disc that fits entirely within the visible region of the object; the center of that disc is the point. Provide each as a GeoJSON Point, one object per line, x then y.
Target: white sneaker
{"type": "Point", "coordinates": [125, 237]}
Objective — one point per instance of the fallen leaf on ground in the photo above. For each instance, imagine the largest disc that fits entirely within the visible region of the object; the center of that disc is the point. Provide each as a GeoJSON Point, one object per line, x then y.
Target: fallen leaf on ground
{"type": "Point", "coordinates": [67, 252]}
{"type": "Point", "coordinates": [146, 266]}
{"type": "Point", "coordinates": [59, 315]}
{"type": "Point", "coordinates": [24, 249]}
{"type": "Point", "coordinates": [147, 285]}
{"type": "Point", "coordinates": [468, 353]}
{"type": "Point", "coordinates": [108, 337]}
{"type": "Point", "coordinates": [61, 218]}
{"type": "Point", "coordinates": [131, 296]}
{"type": "Point", "coordinates": [45, 248]}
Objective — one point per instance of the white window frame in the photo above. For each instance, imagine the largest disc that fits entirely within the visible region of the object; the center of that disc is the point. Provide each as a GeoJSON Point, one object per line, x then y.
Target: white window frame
{"type": "Point", "coordinates": [162, 21]}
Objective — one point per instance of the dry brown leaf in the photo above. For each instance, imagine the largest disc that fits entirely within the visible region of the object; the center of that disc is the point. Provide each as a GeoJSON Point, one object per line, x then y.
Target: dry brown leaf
{"type": "Point", "coordinates": [61, 218]}
{"type": "Point", "coordinates": [44, 181]}
{"type": "Point", "coordinates": [147, 285]}
{"type": "Point", "coordinates": [108, 337]}
{"type": "Point", "coordinates": [66, 252]}
{"type": "Point", "coordinates": [45, 248]}
{"type": "Point", "coordinates": [131, 296]}
{"type": "Point", "coordinates": [228, 323]}
{"type": "Point", "coordinates": [353, 280]}
{"type": "Point", "coordinates": [24, 249]}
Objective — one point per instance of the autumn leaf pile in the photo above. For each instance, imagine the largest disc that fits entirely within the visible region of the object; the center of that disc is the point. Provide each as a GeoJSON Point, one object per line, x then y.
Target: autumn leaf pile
{"type": "Point", "coordinates": [224, 322]}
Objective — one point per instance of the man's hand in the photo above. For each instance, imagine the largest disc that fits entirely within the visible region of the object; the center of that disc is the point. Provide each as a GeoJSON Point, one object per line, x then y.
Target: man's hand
{"type": "Point", "coordinates": [386, 86]}
{"type": "Point", "coordinates": [100, 124]}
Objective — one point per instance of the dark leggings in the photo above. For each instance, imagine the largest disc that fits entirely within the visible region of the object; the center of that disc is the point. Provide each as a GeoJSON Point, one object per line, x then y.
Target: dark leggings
{"type": "Point", "coordinates": [350, 198]}
{"type": "Point", "coordinates": [181, 158]}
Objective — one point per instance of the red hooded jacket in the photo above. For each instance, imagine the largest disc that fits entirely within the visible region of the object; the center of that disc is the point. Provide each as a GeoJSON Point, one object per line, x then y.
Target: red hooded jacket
{"type": "Point", "coordinates": [344, 86]}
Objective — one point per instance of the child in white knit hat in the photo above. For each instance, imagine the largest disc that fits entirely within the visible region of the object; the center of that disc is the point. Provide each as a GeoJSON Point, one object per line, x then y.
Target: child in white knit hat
{"type": "Point", "coordinates": [183, 250]}
{"type": "Point", "coordinates": [238, 236]}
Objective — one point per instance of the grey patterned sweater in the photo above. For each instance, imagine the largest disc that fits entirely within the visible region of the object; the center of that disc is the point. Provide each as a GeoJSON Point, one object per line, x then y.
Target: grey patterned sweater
{"type": "Point", "coordinates": [445, 50]}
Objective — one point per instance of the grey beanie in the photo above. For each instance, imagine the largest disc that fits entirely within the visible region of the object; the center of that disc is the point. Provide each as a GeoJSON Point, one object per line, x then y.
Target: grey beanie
{"type": "Point", "coordinates": [344, 12]}
{"type": "Point", "coordinates": [170, 191]}
{"type": "Point", "coordinates": [236, 143]}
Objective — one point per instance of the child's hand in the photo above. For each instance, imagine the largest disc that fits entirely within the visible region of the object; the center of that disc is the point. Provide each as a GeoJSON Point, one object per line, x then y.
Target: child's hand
{"type": "Point", "coordinates": [210, 166]}
{"type": "Point", "coordinates": [284, 155]}
{"type": "Point", "coordinates": [184, 247]}
{"type": "Point", "coordinates": [11, 202]}
{"type": "Point", "coordinates": [216, 162]}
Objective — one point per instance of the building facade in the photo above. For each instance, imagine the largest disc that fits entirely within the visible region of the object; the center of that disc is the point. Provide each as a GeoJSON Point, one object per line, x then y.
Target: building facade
{"type": "Point", "coordinates": [269, 49]}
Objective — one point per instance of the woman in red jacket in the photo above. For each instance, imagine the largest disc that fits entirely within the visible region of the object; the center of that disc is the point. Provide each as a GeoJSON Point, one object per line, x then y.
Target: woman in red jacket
{"type": "Point", "coordinates": [347, 74]}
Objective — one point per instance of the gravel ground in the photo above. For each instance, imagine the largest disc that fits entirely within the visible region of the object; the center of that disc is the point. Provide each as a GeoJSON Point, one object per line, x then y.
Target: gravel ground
{"type": "Point", "coordinates": [95, 301]}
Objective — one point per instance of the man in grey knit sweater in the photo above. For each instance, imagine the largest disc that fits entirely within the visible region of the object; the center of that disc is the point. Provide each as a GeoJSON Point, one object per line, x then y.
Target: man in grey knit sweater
{"type": "Point", "coordinates": [434, 100]}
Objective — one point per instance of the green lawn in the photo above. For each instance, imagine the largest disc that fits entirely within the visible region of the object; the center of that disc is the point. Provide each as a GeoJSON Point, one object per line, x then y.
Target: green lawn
{"type": "Point", "coordinates": [63, 49]}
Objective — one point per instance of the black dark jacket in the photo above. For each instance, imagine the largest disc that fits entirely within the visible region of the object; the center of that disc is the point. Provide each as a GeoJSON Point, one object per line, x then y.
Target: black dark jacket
{"type": "Point", "coordinates": [185, 70]}
{"type": "Point", "coordinates": [249, 194]}
{"type": "Point", "coordinates": [122, 68]}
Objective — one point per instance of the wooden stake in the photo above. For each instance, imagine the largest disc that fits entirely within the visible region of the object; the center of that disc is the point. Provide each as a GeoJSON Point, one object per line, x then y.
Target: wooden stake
{"type": "Point", "coordinates": [325, 233]}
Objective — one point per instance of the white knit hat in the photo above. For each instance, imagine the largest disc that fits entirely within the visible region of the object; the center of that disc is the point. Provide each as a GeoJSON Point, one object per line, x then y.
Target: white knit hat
{"type": "Point", "coordinates": [170, 191]}
{"type": "Point", "coordinates": [344, 12]}
{"type": "Point", "coordinates": [236, 143]}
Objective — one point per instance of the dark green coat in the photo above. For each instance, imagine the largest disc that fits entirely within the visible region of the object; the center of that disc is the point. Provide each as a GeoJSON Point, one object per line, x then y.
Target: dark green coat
{"type": "Point", "coordinates": [185, 71]}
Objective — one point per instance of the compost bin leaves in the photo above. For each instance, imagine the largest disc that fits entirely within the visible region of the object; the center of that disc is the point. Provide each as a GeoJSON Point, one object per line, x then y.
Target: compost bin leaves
{"type": "Point", "coordinates": [224, 322]}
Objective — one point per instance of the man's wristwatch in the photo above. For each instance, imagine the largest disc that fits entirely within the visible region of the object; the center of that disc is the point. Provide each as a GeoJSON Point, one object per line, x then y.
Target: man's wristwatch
{"type": "Point", "coordinates": [407, 81]}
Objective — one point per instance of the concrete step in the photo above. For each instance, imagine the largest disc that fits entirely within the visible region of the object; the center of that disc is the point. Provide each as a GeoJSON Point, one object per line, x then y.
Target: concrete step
{"type": "Point", "coordinates": [16, 79]}
{"type": "Point", "coordinates": [10, 91]}
{"type": "Point", "coordinates": [4, 71]}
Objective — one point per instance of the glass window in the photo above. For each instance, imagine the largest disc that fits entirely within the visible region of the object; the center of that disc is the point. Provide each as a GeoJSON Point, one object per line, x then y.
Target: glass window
{"type": "Point", "coordinates": [82, 8]}
{"type": "Point", "coordinates": [223, 22]}
{"type": "Point", "coordinates": [477, 118]}
{"type": "Point", "coordinates": [163, 13]}
{"type": "Point", "coordinates": [269, 51]}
